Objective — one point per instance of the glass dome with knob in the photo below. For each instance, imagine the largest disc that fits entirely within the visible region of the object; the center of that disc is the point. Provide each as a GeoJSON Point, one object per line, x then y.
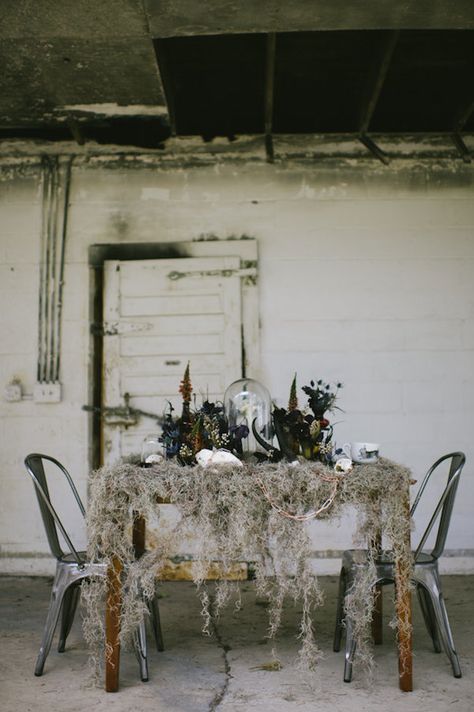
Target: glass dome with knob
{"type": "Point", "coordinates": [247, 402]}
{"type": "Point", "coordinates": [152, 450]}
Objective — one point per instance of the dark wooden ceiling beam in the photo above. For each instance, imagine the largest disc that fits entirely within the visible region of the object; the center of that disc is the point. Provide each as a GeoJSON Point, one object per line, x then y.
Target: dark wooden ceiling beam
{"type": "Point", "coordinates": [374, 149]}
{"type": "Point", "coordinates": [375, 86]}
{"type": "Point", "coordinates": [164, 73]}
{"type": "Point", "coordinates": [461, 147]}
{"type": "Point", "coordinates": [464, 116]}
{"type": "Point", "coordinates": [211, 17]}
{"type": "Point", "coordinates": [76, 131]}
{"type": "Point", "coordinates": [269, 93]}
{"type": "Point", "coordinates": [377, 81]}
{"type": "Point", "coordinates": [461, 120]}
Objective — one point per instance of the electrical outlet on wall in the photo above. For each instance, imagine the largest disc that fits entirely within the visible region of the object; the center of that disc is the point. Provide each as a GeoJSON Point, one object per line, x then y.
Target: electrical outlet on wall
{"type": "Point", "coordinates": [12, 392]}
{"type": "Point", "coordinates": [47, 393]}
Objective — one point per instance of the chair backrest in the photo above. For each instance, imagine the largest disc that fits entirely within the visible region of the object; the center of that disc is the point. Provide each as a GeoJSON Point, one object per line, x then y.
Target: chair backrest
{"type": "Point", "coordinates": [444, 507]}
{"type": "Point", "coordinates": [52, 523]}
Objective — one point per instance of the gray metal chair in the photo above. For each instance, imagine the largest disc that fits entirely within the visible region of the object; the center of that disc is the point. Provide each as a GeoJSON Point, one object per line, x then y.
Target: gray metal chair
{"type": "Point", "coordinates": [72, 569]}
{"type": "Point", "coordinates": [425, 571]}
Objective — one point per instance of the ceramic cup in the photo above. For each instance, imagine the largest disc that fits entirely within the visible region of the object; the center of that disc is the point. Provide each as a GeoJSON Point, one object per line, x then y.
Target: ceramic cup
{"type": "Point", "coordinates": [361, 452]}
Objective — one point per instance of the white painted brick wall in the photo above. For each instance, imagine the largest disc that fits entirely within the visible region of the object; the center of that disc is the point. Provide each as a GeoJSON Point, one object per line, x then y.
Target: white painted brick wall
{"type": "Point", "coordinates": [365, 277]}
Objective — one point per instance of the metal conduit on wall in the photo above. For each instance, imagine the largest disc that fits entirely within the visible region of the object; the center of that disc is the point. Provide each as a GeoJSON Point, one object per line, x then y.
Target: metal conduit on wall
{"type": "Point", "coordinates": [56, 178]}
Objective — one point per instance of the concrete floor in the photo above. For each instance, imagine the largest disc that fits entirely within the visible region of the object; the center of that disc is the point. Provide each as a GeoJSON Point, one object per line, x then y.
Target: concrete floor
{"type": "Point", "coordinates": [224, 672]}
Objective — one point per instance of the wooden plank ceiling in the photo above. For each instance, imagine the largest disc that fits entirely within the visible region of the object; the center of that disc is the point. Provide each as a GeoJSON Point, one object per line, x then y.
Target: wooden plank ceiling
{"type": "Point", "coordinates": [133, 73]}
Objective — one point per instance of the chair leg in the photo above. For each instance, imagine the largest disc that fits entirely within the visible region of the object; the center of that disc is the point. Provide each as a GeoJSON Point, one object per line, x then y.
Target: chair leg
{"type": "Point", "coordinates": [340, 621]}
{"type": "Point", "coordinates": [60, 585]}
{"type": "Point", "coordinates": [428, 616]}
{"type": "Point", "coordinates": [156, 623]}
{"type": "Point", "coordinates": [350, 651]}
{"type": "Point", "coordinates": [141, 650]}
{"type": "Point", "coordinates": [70, 601]}
{"type": "Point", "coordinates": [339, 612]}
{"type": "Point", "coordinates": [433, 587]}
{"type": "Point", "coordinates": [452, 654]}
{"type": "Point", "coordinates": [377, 615]}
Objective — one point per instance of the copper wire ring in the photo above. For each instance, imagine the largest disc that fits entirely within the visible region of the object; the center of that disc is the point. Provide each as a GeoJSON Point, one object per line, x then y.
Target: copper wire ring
{"type": "Point", "coordinates": [308, 515]}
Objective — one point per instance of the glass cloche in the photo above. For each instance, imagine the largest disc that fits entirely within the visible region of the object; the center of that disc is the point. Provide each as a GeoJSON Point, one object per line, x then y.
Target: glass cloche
{"type": "Point", "coordinates": [152, 450]}
{"type": "Point", "coordinates": [246, 401]}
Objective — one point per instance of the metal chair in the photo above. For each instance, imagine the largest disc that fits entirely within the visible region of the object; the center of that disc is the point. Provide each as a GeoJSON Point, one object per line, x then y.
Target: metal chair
{"type": "Point", "coordinates": [425, 573]}
{"type": "Point", "coordinates": [72, 569]}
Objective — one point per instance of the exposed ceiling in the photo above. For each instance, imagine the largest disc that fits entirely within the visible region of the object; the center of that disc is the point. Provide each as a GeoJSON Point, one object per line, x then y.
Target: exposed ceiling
{"type": "Point", "coordinates": [134, 72]}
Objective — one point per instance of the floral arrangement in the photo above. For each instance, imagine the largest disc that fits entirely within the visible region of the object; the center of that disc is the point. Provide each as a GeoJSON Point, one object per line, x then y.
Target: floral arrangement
{"type": "Point", "coordinates": [200, 428]}
{"type": "Point", "coordinates": [303, 433]}
{"type": "Point", "coordinates": [306, 433]}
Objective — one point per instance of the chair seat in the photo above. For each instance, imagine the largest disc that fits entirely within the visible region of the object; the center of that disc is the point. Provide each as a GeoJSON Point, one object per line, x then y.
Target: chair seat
{"type": "Point", "coordinates": [359, 557]}
{"type": "Point", "coordinates": [70, 559]}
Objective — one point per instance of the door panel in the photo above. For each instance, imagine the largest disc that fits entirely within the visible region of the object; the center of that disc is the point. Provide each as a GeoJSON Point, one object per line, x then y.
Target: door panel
{"type": "Point", "coordinates": [177, 324]}
{"type": "Point", "coordinates": [173, 345]}
{"type": "Point", "coordinates": [160, 314]}
{"type": "Point", "coordinates": [179, 303]}
{"type": "Point", "coordinates": [169, 365]}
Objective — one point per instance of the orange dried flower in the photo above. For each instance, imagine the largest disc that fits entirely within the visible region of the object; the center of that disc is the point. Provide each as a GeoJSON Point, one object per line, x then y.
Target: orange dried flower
{"type": "Point", "coordinates": [293, 400]}
{"type": "Point", "coordinates": [185, 387]}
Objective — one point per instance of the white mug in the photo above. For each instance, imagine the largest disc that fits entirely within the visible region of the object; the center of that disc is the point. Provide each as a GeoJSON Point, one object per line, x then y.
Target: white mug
{"type": "Point", "coordinates": [361, 452]}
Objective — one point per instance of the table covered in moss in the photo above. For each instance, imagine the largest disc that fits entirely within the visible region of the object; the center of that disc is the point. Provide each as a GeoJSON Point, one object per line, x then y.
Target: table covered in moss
{"type": "Point", "coordinates": [258, 513]}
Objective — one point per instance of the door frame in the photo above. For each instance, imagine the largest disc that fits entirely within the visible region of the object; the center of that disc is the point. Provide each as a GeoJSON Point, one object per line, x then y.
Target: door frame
{"type": "Point", "coordinates": [245, 248]}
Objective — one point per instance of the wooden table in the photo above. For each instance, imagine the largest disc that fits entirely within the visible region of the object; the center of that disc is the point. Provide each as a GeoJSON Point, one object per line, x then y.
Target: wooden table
{"type": "Point", "coordinates": [114, 605]}
{"type": "Point", "coordinates": [403, 607]}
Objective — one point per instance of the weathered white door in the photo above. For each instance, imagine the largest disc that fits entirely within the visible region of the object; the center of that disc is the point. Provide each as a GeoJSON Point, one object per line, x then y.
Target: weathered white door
{"type": "Point", "coordinates": [158, 315]}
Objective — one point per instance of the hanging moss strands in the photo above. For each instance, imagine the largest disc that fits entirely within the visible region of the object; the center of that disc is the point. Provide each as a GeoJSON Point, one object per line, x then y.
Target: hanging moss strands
{"type": "Point", "coordinates": [253, 512]}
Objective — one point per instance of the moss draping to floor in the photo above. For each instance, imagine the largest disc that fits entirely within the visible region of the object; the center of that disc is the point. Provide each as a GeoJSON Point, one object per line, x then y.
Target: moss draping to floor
{"type": "Point", "coordinates": [228, 512]}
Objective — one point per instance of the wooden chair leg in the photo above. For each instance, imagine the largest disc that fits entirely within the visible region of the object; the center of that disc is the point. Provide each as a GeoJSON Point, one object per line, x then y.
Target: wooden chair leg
{"type": "Point", "coordinates": [112, 626]}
